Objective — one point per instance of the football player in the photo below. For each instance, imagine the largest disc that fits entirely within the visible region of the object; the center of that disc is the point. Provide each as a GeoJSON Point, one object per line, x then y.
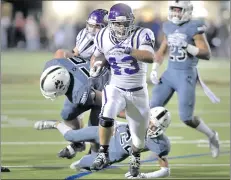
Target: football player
{"type": "Point", "coordinates": [121, 142]}
{"type": "Point", "coordinates": [70, 77]}
{"type": "Point", "coordinates": [127, 49]}
{"type": "Point", "coordinates": [187, 43]}
{"type": "Point", "coordinates": [84, 48]}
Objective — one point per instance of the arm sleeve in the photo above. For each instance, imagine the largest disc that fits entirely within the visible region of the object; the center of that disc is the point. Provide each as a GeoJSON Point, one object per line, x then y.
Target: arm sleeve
{"type": "Point", "coordinates": [79, 37]}
{"type": "Point", "coordinates": [198, 27]}
{"type": "Point", "coordinates": [98, 51]}
{"type": "Point", "coordinates": [147, 40]}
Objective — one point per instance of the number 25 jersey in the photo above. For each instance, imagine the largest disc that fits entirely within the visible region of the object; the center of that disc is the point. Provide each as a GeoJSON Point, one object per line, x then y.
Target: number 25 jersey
{"type": "Point", "coordinates": [126, 71]}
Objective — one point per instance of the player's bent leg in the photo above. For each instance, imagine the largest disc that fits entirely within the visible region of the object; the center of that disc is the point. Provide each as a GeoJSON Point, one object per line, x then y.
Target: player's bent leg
{"type": "Point", "coordinates": [113, 101]}
{"type": "Point", "coordinates": [186, 98]}
{"type": "Point", "coordinates": [161, 94]}
{"type": "Point", "coordinates": [137, 114]}
{"type": "Point", "coordinates": [73, 117]}
{"type": "Point", "coordinates": [105, 132]}
{"type": "Point", "coordinates": [198, 124]}
{"type": "Point", "coordinates": [80, 135]}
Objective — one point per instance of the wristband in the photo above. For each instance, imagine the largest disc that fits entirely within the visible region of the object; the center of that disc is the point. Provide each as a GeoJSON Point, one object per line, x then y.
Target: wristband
{"type": "Point", "coordinates": [193, 50]}
{"type": "Point", "coordinates": [155, 66]}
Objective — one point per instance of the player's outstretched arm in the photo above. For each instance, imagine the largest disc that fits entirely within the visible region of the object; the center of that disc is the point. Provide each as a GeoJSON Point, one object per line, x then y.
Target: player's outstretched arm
{"type": "Point", "coordinates": [142, 55]}
{"type": "Point", "coordinates": [158, 60]}
{"type": "Point", "coordinates": [62, 53]}
{"type": "Point", "coordinates": [202, 49]}
{"type": "Point", "coordinates": [159, 55]}
{"type": "Point", "coordinates": [163, 172]}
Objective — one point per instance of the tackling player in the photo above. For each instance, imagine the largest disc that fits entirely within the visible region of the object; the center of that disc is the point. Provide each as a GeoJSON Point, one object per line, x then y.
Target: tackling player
{"type": "Point", "coordinates": [84, 48]}
{"type": "Point", "coordinates": [120, 143]}
{"type": "Point", "coordinates": [70, 77]}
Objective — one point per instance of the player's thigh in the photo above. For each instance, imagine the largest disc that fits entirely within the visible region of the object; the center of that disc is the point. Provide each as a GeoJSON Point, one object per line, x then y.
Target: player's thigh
{"type": "Point", "coordinates": [94, 116]}
{"type": "Point", "coordinates": [186, 97]}
{"type": "Point", "coordinates": [70, 111]}
{"type": "Point", "coordinates": [113, 101]}
{"type": "Point", "coordinates": [137, 113]}
{"type": "Point", "coordinates": [161, 94]}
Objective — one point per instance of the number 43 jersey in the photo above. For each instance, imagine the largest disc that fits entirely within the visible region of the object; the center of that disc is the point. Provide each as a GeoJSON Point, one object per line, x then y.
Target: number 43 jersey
{"type": "Point", "coordinates": [126, 71]}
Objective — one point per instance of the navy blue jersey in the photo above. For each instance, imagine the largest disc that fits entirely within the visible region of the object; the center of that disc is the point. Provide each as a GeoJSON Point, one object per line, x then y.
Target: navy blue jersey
{"type": "Point", "coordinates": [81, 83]}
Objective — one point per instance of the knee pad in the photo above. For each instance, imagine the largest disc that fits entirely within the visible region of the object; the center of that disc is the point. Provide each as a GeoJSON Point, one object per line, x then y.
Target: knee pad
{"type": "Point", "coordinates": [193, 123]}
{"type": "Point", "coordinates": [106, 122]}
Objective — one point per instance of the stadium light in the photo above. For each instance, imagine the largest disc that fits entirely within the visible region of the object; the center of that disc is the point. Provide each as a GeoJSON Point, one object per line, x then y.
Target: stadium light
{"type": "Point", "coordinates": [64, 8]}
{"type": "Point", "coordinates": [198, 9]}
{"type": "Point", "coordinates": [132, 4]}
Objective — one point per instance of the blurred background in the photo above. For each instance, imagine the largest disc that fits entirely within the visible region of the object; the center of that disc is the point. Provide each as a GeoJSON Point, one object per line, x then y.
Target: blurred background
{"type": "Point", "coordinates": [48, 25]}
{"type": "Point", "coordinates": [32, 30]}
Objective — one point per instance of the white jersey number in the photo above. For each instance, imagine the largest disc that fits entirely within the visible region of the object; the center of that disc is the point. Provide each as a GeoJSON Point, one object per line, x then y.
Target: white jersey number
{"type": "Point", "coordinates": [177, 54]}
{"type": "Point", "coordinates": [125, 137]}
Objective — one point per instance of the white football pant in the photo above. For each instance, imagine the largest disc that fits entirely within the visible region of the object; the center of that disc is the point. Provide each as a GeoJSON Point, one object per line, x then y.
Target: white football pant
{"type": "Point", "coordinates": [136, 105]}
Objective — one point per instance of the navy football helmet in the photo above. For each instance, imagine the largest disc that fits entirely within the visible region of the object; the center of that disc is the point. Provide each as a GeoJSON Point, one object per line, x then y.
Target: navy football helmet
{"type": "Point", "coordinates": [121, 21]}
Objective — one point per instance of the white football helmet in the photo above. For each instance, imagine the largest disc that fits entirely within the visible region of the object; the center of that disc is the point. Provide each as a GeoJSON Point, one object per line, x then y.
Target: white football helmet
{"type": "Point", "coordinates": [54, 82]}
{"type": "Point", "coordinates": [185, 13]}
{"type": "Point", "coordinates": [160, 119]}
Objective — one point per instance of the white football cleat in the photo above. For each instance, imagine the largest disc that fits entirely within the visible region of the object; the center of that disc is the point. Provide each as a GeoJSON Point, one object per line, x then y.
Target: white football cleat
{"type": "Point", "coordinates": [49, 124]}
{"type": "Point", "coordinates": [214, 145]}
{"type": "Point", "coordinates": [75, 165]}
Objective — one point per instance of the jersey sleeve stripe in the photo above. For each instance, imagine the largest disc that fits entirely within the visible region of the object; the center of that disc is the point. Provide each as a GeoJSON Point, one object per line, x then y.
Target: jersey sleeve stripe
{"type": "Point", "coordinates": [89, 44]}
{"type": "Point", "coordinates": [81, 32]}
{"type": "Point", "coordinates": [138, 39]}
{"type": "Point", "coordinates": [132, 41]}
{"type": "Point", "coordinates": [97, 39]}
{"type": "Point", "coordinates": [101, 39]}
{"type": "Point", "coordinates": [83, 38]}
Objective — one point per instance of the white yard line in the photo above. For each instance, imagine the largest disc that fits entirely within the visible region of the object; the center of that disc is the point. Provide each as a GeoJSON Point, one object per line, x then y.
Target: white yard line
{"type": "Point", "coordinates": [201, 141]}
{"type": "Point", "coordinates": [42, 101]}
{"type": "Point", "coordinates": [180, 165]}
{"type": "Point", "coordinates": [45, 111]}
{"type": "Point", "coordinates": [124, 165]}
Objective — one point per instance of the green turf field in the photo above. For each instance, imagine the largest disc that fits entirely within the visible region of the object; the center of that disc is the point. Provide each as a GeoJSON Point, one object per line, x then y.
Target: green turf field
{"type": "Point", "coordinates": [31, 154]}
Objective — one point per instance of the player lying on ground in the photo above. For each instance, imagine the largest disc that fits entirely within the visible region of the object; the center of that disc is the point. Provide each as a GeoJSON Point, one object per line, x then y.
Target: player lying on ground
{"type": "Point", "coordinates": [120, 143]}
{"type": "Point", "coordinates": [84, 48]}
{"type": "Point", "coordinates": [187, 43]}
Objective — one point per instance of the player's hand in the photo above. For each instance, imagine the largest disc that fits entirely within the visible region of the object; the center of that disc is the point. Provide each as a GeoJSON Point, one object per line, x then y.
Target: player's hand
{"type": "Point", "coordinates": [176, 41]}
{"type": "Point", "coordinates": [96, 69]}
{"type": "Point", "coordinates": [119, 50]}
{"type": "Point", "coordinates": [154, 77]}
{"type": "Point", "coordinates": [140, 176]}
